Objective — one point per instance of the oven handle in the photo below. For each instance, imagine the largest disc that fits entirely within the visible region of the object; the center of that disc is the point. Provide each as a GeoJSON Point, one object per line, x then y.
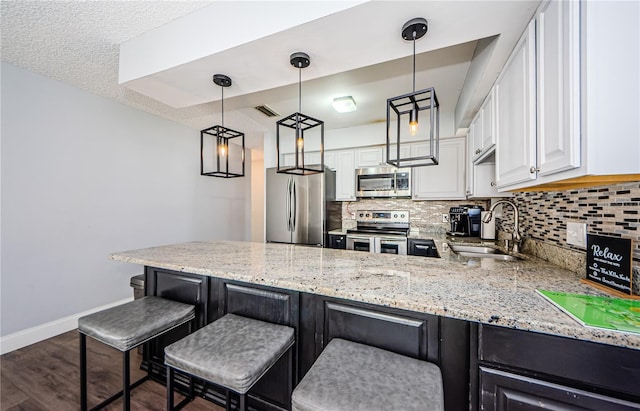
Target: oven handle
{"type": "Point", "coordinates": [357, 237]}
{"type": "Point", "coordinates": [392, 239]}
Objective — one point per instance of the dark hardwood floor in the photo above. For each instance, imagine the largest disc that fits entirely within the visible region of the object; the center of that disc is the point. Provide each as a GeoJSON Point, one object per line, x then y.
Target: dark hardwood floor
{"type": "Point", "coordinates": [45, 376]}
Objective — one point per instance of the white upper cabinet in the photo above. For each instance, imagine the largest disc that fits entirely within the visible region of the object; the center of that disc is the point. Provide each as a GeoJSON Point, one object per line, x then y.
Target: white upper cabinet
{"type": "Point", "coordinates": [312, 158]}
{"type": "Point", "coordinates": [484, 136]}
{"type": "Point", "coordinates": [369, 156]}
{"type": "Point", "coordinates": [515, 114]}
{"type": "Point", "coordinates": [345, 175]}
{"type": "Point", "coordinates": [330, 159]}
{"type": "Point", "coordinates": [558, 81]}
{"type": "Point", "coordinates": [445, 181]}
{"type": "Point", "coordinates": [567, 100]}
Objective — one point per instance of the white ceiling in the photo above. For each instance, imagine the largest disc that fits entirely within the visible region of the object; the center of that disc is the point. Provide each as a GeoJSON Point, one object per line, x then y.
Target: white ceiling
{"type": "Point", "coordinates": [356, 51]}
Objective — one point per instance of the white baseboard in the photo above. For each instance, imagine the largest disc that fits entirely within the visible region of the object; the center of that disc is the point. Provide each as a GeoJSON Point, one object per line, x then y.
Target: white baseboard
{"type": "Point", "coordinates": [41, 332]}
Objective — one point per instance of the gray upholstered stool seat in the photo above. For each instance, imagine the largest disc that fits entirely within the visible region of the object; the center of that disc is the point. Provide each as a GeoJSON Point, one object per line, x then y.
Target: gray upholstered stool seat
{"type": "Point", "coordinates": [351, 376]}
{"type": "Point", "coordinates": [128, 325]}
{"type": "Point", "coordinates": [125, 327]}
{"type": "Point", "coordinates": [233, 352]}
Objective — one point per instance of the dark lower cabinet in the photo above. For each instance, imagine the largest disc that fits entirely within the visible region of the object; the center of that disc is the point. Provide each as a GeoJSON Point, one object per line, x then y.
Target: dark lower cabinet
{"type": "Point", "coordinates": [504, 391]}
{"type": "Point", "coordinates": [338, 241]}
{"type": "Point", "coordinates": [520, 370]}
{"type": "Point", "coordinates": [422, 247]}
{"type": "Point", "coordinates": [484, 367]}
{"type": "Point", "coordinates": [183, 287]}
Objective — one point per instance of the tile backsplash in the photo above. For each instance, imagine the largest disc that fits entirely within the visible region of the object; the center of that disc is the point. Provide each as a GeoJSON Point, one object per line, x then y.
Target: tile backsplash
{"type": "Point", "coordinates": [426, 216]}
{"type": "Point", "coordinates": [612, 210]}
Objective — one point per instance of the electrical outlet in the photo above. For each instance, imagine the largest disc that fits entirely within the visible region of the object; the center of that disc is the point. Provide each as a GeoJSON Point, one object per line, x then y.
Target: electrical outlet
{"type": "Point", "coordinates": [577, 234]}
{"type": "Point", "coordinates": [445, 218]}
{"type": "Point", "coordinates": [353, 216]}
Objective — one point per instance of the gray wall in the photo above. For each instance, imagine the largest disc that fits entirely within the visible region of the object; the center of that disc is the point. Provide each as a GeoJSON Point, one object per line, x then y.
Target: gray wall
{"type": "Point", "coordinates": [83, 176]}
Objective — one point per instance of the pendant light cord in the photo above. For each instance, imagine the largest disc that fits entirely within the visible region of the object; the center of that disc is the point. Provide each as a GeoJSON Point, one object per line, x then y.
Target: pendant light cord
{"type": "Point", "coordinates": [299, 88]}
{"type": "Point", "coordinates": [414, 61]}
{"type": "Point", "coordinates": [222, 106]}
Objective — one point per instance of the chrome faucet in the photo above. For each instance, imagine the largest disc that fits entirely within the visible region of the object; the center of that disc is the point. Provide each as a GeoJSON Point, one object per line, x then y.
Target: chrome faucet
{"type": "Point", "coordinates": [516, 226]}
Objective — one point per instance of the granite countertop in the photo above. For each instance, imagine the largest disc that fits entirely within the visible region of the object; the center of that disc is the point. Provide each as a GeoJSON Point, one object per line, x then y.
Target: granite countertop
{"type": "Point", "coordinates": [483, 290]}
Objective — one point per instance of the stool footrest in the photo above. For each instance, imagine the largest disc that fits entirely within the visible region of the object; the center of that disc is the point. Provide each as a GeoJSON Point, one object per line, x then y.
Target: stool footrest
{"type": "Point", "coordinates": [118, 394]}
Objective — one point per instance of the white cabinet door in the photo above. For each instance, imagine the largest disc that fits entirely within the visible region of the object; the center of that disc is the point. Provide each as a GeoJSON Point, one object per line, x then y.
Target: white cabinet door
{"type": "Point", "coordinates": [469, 160]}
{"type": "Point", "coordinates": [405, 151]}
{"type": "Point", "coordinates": [446, 181]}
{"type": "Point", "coordinates": [345, 175]}
{"type": "Point", "coordinates": [478, 128]}
{"type": "Point", "coordinates": [483, 139]}
{"type": "Point", "coordinates": [515, 114]}
{"type": "Point", "coordinates": [369, 157]}
{"type": "Point", "coordinates": [330, 159]}
{"type": "Point", "coordinates": [310, 158]}
{"type": "Point", "coordinates": [558, 80]}
{"type": "Point", "coordinates": [484, 182]}
{"type": "Point", "coordinates": [488, 124]}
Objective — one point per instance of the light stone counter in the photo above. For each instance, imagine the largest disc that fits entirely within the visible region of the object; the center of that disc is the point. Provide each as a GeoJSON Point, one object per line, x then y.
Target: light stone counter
{"type": "Point", "coordinates": [483, 290]}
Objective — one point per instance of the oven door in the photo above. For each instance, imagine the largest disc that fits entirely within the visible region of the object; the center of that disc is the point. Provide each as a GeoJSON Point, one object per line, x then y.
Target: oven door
{"type": "Point", "coordinates": [360, 243]}
{"type": "Point", "coordinates": [391, 245]}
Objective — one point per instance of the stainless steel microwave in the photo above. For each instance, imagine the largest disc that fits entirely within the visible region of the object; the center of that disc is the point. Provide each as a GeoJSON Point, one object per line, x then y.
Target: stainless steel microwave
{"type": "Point", "coordinates": [383, 182]}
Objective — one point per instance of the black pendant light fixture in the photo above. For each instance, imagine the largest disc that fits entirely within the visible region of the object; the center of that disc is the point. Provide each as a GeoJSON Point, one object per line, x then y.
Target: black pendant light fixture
{"type": "Point", "coordinates": [218, 158]}
{"type": "Point", "coordinates": [404, 113]}
{"type": "Point", "coordinates": [300, 130]}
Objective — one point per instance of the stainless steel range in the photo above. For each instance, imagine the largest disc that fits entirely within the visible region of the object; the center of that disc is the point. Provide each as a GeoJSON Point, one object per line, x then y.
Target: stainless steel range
{"type": "Point", "coordinates": [380, 232]}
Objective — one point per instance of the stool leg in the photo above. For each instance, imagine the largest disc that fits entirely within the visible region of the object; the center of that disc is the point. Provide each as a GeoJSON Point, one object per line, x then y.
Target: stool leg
{"type": "Point", "coordinates": [126, 387]}
{"type": "Point", "coordinates": [83, 372]}
{"type": "Point", "coordinates": [242, 405]}
{"type": "Point", "coordinates": [228, 403]}
{"type": "Point", "coordinates": [169, 388]}
{"type": "Point", "coordinates": [289, 377]}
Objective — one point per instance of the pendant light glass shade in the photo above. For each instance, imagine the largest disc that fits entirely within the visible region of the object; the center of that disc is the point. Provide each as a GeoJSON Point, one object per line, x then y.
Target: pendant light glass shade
{"type": "Point", "coordinates": [299, 133]}
{"type": "Point", "coordinates": [413, 117]}
{"type": "Point", "coordinates": [219, 158]}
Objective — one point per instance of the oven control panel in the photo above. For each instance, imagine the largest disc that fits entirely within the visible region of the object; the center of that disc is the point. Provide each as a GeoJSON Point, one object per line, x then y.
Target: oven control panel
{"type": "Point", "coordinates": [385, 216]}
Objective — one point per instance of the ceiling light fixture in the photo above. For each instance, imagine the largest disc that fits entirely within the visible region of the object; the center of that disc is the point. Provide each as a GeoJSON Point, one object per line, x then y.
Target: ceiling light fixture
{"type": "Point", "coordinates": [402, 114]}
{"type": "Point", "coordinates": [297, 128]}
{"type": "Point", "coordinates": [344, 104]}
{"type": "Point", "coordinates": [216, 155]}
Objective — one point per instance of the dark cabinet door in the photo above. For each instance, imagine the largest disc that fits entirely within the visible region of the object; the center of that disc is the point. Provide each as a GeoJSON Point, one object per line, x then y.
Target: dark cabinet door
{"type": "Point", "coordinates": [338, 241]}
{"type": "Point", "coordinates": [424, 248]}
{"type": "Point", "coordinates": [503, 391]}
{"type": "Point", "coordinates": [176, 286]}
{"type": "Point", "coordinates": [272, 305]}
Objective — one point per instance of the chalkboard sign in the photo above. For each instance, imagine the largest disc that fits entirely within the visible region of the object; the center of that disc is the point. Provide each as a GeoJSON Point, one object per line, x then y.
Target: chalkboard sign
{"type": "Point", "coordinates": [609, 262]}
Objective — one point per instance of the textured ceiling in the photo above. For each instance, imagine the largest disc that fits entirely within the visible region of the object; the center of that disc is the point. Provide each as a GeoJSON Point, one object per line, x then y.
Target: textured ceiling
{"type": "Point", "coordinates": [77, 43]}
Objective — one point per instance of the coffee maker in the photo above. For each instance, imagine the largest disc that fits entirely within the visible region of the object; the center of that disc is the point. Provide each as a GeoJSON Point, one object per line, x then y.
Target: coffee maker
{"type": "Point", "coordinates": [465, 221]}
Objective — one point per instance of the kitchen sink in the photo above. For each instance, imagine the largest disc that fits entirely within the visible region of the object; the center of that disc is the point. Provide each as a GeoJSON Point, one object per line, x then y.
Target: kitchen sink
{"type": "Point", "coordinates": [482, 252]}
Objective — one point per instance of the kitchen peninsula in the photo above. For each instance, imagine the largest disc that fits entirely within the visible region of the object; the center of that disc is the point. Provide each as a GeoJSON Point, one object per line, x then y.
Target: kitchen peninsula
{"type": "Point", "coordinates": [476, 318]}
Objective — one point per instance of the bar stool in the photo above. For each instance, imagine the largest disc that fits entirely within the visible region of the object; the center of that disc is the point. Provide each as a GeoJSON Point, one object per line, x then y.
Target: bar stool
{"type": "Point", "coordinates": [233, 352]}
{"type": "Point", "coordinates": [125, 327]}
{"type": "Point", "coordinates": [350, 376]}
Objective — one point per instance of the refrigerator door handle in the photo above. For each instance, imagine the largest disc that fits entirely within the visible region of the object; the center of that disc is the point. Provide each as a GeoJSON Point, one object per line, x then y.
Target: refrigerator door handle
{"type": "Point", "coordinates": [294, 198]}
{"type": "Point", "coordinates": [288, 205]}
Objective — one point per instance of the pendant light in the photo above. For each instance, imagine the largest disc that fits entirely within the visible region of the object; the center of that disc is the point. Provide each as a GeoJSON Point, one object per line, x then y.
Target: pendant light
{"type": "Point", "coordinates": [216, 155]}
{"type": "Point", "coordinates": [403, 125]}
{"type": "Point", "coordinates": [299, 130]}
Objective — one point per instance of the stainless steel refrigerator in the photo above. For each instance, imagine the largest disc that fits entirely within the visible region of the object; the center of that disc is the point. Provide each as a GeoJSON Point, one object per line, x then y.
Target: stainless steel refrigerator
{"type": "Point", "coordinates": [301, 209]}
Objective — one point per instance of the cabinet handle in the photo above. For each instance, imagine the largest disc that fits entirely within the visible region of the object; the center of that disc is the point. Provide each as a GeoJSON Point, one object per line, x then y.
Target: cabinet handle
{"type": "Point", "coordinates": [534, 170]}
{"type": "Point", "coordinates": [493, 184]}
{"type": "Point", "coordinates": [478, 151]}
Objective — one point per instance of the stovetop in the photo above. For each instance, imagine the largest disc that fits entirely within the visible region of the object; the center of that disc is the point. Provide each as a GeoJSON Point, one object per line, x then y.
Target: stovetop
{"type": "Point", "coordinates": [385, 222]}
